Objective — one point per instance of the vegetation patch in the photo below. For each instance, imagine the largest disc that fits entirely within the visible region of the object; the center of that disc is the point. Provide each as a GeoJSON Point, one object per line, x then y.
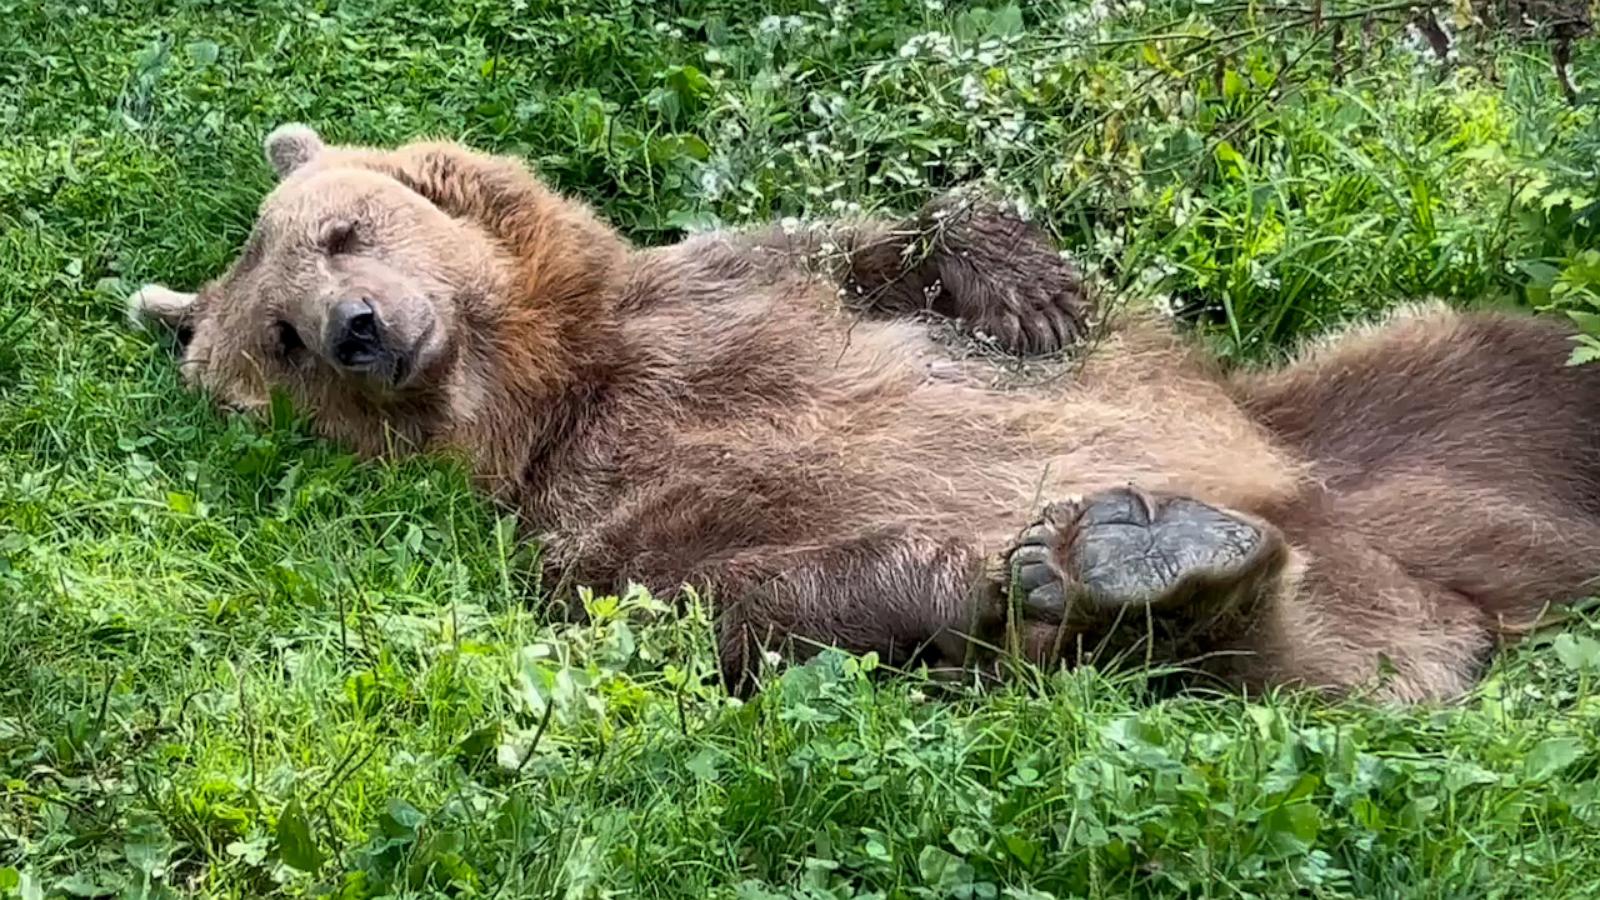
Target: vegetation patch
{"type": "Point", "coordinates": [237, 662]}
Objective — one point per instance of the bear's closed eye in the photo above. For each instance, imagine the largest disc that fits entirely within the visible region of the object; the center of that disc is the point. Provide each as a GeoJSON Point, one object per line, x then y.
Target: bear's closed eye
{"type": "Point", "coordinates": [289, 342]}
{"type": "Point", "coordinates": [339, 237]}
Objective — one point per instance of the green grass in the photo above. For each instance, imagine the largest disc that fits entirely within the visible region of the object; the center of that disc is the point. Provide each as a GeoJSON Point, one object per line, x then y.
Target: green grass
{"type": "Point", "coordinates": [237, 662]}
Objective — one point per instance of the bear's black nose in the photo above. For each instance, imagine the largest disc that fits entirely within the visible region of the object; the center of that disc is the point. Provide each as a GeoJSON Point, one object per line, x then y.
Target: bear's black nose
{"type": "Point", "coordinates": [353, 334]}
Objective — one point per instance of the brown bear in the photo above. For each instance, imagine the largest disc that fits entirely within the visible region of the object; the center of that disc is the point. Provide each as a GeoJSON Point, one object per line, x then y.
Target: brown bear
{"type": "Point", "coordinates": [760, 414]}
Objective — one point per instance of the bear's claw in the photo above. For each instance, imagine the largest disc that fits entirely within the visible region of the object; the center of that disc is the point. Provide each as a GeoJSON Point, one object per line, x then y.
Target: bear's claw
{"type": "Point", "coordinates": [1007, 280]}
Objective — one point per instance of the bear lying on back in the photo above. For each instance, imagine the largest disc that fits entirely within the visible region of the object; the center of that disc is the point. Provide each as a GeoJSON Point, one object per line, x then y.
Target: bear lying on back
{"type": "Point", "coordinates": [757, 413]}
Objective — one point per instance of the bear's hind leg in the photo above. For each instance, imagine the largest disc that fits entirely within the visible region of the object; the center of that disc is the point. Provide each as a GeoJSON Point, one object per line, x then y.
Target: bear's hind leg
{"type": "Point", "coordinates": [1349, 617]}
{"type": "Point", "coordinates": [1300, 602]}
{"type": "Point", "coordinates": [1088, 562]}
{"type": "Point", "coordinates": [1462, 445]}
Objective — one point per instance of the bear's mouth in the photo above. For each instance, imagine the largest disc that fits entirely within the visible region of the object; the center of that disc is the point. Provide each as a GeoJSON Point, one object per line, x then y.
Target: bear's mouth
{"type": "Point", "coordinates": [400, 372]}
{"type": "Point", "coordinates": [357, 358]}
{"type": "Point", "coordinates": [385, 368]}
{"type": "Point", "coordinates": [418, 357]}
{"type": "Point", "coordinates": [388, 367]}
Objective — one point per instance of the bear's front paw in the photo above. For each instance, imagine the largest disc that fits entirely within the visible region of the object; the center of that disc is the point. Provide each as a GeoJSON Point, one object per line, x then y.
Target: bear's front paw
{"type": "Point", "coordinates": [1088, 560]}
{"type": "Point", "coordinates": [1004, 279]}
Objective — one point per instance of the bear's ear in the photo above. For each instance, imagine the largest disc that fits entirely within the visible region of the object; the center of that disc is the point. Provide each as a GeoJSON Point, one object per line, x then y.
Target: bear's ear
{"type": "Point", "coordinates": [291, 146]}
{"type": "Point", "coordinates": [156, 303]}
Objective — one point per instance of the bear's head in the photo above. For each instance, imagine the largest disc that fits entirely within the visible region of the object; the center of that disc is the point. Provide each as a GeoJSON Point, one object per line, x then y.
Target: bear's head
{"type": "Point", "coordinates": [350, 296]}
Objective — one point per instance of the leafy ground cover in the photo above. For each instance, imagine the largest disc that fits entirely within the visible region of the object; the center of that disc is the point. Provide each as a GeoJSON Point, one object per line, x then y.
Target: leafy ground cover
{"type": "Point", "coordinates": [240, 663]}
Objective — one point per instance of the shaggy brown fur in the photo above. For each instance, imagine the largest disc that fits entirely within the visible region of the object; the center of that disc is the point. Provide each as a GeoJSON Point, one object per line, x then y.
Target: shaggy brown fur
{"type": "Point", "coordinates": [707, 413]}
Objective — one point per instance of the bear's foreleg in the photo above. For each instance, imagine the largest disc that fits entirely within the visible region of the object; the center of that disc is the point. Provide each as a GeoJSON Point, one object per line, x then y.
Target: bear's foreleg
{"type": "Point", "coordinates": [897, 592]}
{"type": "Point", "coordinates": [966, 258]}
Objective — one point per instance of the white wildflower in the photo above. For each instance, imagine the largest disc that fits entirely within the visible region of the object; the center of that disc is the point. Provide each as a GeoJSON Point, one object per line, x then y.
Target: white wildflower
{"type": "Point", "coordinates": [1009, 132]}
{"type": "Point", "coordinates": [972, 92]}
{"type": "Point", "coordinates": [932, 43]}
{"type": "Point", "coordinates": [1158, 271]}
{"type": "Point", "coordinates": [712, 183]}
{"type": "Point", "coordinates": [1108, 244]}
{"type": "Point", "coordinates": [1413, 42]}
{"type": "Point", "coordinates": [1262, 277]}
{"type": "Point", "coordinates": [1091, 20]}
